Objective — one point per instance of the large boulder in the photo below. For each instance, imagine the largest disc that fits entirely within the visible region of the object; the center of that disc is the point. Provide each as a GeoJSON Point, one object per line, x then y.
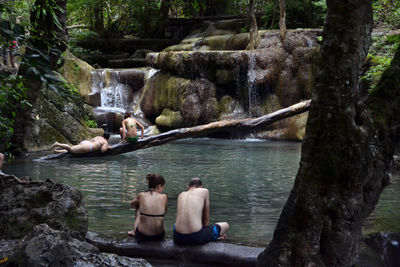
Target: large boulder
{"type": "Point", "coordinates": [78, 73]}
{"type": "Point", "coordinates": [45, 246]}
{"type": "Point", "coordinates": [194, 99]}
{"type": "Point", "coordinates": [25, 204]}
{"type": "Point", "coordinates": [169, 119]}
{"type": "Point", "coordinates": [56, 118]}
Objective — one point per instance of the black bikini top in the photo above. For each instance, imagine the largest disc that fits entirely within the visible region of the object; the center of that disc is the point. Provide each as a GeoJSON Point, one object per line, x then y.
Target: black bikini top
{"type": "Point", "coordinates": [152, 215]}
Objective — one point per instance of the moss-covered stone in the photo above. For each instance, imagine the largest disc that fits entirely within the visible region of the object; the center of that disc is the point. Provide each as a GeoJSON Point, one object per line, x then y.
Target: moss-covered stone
{"type": "Point", "coordinates": [170, 119]}
{"type": "Point", "coordinates": [226, 104]}
{"type": "Point", "coordinates": [225, 77]}
{"type": "Point", "coordinates": [270, 104]}
{"type": "Point", "coordinates": [190, 97]}
{"type": "Point", "coordinates": [78, 73]}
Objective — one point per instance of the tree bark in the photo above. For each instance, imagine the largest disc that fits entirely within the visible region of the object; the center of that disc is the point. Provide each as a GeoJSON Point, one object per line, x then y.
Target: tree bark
{"type": "Point", "coordinates": [198, 131]}
{"type": "Point", "coordinates": [98, 8]}
{"type": "Point", "coordinates": [163, 19]}
{"type": "Point", "coordinates": [282, 19]}
{"type": "Point", "coordinates": [346, 153]}
{"type": "Point", "coordinates": [253, 26]}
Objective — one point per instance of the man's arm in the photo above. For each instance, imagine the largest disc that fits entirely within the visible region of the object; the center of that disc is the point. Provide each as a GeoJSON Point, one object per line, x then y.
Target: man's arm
{"type": "Point", "coordinates": [205, 220]}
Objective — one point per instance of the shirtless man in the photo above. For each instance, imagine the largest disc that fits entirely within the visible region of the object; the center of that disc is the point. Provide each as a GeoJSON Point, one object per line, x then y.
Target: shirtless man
{"type": "Point", "coordinates": [86, 146]}
{"type": "Point", "coordinates": [193, 215]}
{"type": "Point", "coordinates": [128, 131]}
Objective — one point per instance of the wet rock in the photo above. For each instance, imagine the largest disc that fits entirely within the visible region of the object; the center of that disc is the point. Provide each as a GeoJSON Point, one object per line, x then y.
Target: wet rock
{"type": "Point", "coordinates": [78, 73]}
{"type": "Point", "coordinates": [169, 120]}
{"type": "Point", "coordinates": [290, 129]}
{"type": "Point", "coordinates": [8, 247]}
{"type": "Point", "coordinates": [57, 118]}
{"type": "Point", "coordinates": [194, 99]}
{"type": "Point", "coordinates": [213, 253]}
{"type": "Point", "coordinates": [25, 204]}
{"type": "Point", "coordinates": [45, 246]}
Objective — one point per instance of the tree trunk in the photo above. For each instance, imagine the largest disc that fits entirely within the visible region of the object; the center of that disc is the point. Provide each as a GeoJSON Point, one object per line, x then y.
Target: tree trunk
{"type": "Point", "coordinates": [282, 19]}
{"type": "Point", "coordinates": [98, 9]}
{"type": "Point", "coordinates": [253, 26]}
{"type": "Point", "coordinates": [215, 7]}
{"type": "Point", "coordinates": [274, 14]}
{"type": "Point", "coordinates": [244, 125]}
{"type": "Point", "coordinates": [163, 19]}
{"type": "Point", "coordinates": [346, 153]}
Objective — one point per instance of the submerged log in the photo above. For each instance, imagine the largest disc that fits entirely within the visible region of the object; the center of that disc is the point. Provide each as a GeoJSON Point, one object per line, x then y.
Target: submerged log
{"type": "Point", "coordinates": [198, 131]}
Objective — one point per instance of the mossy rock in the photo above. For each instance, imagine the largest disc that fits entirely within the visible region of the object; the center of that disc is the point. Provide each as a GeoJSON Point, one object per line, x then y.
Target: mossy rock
{"type": "Point", "coordinates": [225, 77]}
{"type": "Point", "coordinates": [271, 104]}
{"type": "Point", "coordinates": [78, 73]}
{"type": "Point", "coordinates": [169, 119]}
{"type": "Point", "coordinates": [226, 104]}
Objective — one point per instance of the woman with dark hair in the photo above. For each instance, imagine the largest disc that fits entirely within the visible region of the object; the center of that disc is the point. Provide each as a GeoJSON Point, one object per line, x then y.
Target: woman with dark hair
{"type": "Point", "coordinates": [150, 209]}
{"type": "Point", "coordinates": [128, 131]}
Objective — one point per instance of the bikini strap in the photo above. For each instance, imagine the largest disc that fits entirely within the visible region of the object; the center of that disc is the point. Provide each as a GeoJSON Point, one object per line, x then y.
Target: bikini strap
{"type": "Point", "coordinates": [152, 215]}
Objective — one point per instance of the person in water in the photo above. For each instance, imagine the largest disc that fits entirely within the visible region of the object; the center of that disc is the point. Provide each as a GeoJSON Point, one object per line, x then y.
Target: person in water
{"type": "Point", "coordinates": [128, 131]}
{"type": "Point", "coordinates": [150, 209]}
{"type": "Point", "coordinates": [193, 216]}
{"type": "Point", "coordinates": [86, 146]}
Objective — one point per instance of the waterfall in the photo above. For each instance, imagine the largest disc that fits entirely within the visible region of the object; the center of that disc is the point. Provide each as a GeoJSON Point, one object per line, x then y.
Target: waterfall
{"type": "Point", "coordinates": [114, 92]}
{"type": "Point", "coordinates": [251, 83]}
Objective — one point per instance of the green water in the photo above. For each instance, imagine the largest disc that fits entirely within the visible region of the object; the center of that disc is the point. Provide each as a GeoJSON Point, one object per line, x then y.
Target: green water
{"type": "Point", "coordinates": [249, 182]}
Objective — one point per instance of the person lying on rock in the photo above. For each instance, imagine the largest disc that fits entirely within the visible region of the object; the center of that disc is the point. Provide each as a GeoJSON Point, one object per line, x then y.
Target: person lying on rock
{"type": "Point", "coordinates": [128, 131]}
{"type": "Point", "coordinates": [193, 215]}
{"type": "Point", "coordinates": [86, 146]}
{"type": "Point", "coordinates": [150, 210]}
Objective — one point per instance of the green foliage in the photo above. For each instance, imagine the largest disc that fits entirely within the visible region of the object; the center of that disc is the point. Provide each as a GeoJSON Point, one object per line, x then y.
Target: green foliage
{"type": "Point", "coordinates": [387, 12]}
{"type": "Point", "coordinates": [378, 65]}
{"type": "Point", "coordinates": [12, 93]}
{"type": "Point", "coordinates": [379, 58]}
{"type": "Point", "coordinates": [90, 123]}
{"type": "Point", "coordinates": [299, 14]}
{"type": "Point", "coordinates": [71, 89]}
{"type": "Point", "coordinates": [35, 64]}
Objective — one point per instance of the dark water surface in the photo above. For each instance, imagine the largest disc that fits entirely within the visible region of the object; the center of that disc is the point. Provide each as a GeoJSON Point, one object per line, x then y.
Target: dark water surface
{"type": "Point", "coordinates": [249, 182]}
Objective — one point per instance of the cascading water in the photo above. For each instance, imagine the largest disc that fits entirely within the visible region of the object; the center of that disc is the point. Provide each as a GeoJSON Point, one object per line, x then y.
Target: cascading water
{"type": "Point", "coordinates": [251, 84]}
{"type": "Point", "coordinates": [116, 91]}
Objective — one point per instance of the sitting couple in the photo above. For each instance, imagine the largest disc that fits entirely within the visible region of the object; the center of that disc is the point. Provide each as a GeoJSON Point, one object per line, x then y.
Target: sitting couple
{"type": "Point", "coordinates": [192, 218]}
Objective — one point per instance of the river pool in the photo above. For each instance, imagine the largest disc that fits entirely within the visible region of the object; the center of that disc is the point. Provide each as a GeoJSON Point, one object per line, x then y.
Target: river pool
{"type": "Point", "coordinates": [249, 182]}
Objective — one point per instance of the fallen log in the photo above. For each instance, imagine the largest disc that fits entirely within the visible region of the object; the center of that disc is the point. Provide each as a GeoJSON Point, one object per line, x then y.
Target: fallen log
{"type": "Point", "coordinates": [197, 131]}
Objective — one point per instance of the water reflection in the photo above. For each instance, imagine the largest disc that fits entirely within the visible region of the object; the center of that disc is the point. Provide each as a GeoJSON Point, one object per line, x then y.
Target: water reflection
{"type": "Point", "coordinates": [249, 182]}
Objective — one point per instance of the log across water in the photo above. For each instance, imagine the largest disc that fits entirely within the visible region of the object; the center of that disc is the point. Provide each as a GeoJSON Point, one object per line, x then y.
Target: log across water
{"type": "Point", "coordinates": [197, 131]}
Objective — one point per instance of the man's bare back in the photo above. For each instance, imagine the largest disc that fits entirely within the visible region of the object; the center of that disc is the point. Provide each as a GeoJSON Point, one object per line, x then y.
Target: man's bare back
{"type": "Point", "coordinates": [191, 204]}
{"type": "Point", "coordinates": [193, 217]}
